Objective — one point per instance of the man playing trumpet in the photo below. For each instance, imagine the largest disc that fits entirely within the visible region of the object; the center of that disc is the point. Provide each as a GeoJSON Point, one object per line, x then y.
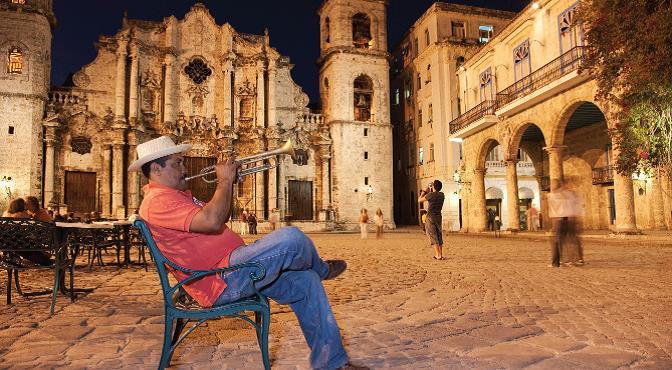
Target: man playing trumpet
{"type": "Point", "coordinates": [193, 234]}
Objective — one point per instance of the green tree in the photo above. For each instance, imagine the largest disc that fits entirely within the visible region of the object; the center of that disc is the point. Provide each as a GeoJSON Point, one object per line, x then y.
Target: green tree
{"type": "Point", "coordinates": [629, 52]}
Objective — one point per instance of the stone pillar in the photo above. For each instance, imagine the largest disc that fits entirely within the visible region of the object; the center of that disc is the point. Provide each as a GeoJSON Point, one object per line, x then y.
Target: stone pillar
{"type": "Point", "coordinates": [625, 204]}
{"type": "Point", "coordinates": [667, 199]}
{"type": "Point", "coordinates": [326, 186]}
{"type": "Point", "coordinates": [133, 88]}
{"type": "Point", "coordinates": [555, 166]}
{"type": "Point", "coordinates": [120, 82]}
{"type": "Point", "coordinates": [259, 186]}
{"type": "Point", "coordinates": [226, 106]}
{"type": "Point", "coordinates": [49, 161]}
{"type": "Point", "coordinates": [260, 94]}
{"type": "Point", "coordinates": [105, 178]}
{"type": "Point", "coordinates": [118, 170]}
{"type": "Point", "coordinates": [133, 177]}
{"type": "Point", "coordinates": [168, 103]}
{"type": "Point", "coordinates": [658, 203]}
{"type": "Point", "coordinates": [478, 198]}
{"type": "Point", "coordinates": [272, 118]}
{"type": "Point", "coordinates": [512, 195]}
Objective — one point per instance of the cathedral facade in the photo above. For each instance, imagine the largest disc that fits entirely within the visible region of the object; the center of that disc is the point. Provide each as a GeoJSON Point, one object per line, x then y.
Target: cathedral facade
{"type": "Point", "coordinates": [227, 93]}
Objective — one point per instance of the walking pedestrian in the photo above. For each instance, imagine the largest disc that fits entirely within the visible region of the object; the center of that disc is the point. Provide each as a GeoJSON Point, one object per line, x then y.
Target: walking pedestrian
{"type": "Point", "coordinates": [490, 214]}
{"type": "Point", "coordinates": [532, 216]}
{"type": "Point", "coordinates": [379, 221]}
{"type": "Point", "coordinates": [252, 223]}
{"type": "Point", "coordinates": [434, 198]}
{"type": "Point", "coordinates": [363, 219]}
{"type": "Point", "coordinates": [564, 209]}
{"type": "Point", "coordinates": [243, 223]}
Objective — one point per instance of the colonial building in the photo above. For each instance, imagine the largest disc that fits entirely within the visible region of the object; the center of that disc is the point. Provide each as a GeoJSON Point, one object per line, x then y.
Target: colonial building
{"type": "Point", "coordinates": [522, 91]}
{"type": "Point", "coordinates": [425, 99]}
{"type": "Point", "coordinates": [25, 52]}
{"type": "Point", "coordinates": [225, 92]}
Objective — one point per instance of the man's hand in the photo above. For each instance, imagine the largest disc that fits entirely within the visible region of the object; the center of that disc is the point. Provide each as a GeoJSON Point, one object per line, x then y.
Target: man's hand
{"type": "Point", "coordinates": [227, 171]}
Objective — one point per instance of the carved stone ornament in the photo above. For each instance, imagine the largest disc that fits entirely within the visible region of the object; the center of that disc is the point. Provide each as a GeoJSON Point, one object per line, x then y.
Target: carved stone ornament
{"type": "Point", "coordinates": [504, 132]}
{"type": "Point", "coordinates": [81, 79]}
{"type": "Point", "coordinates": [246, 88]}
{"type": "Point", "coordinates": [81, 144]}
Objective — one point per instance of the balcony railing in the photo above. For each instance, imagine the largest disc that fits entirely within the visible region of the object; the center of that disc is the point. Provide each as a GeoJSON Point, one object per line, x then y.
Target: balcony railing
{"type": "Point", "coordinates": [558, 67]}
{"type": "Point", "coordinates": [603, 175]}
{"type": "Point", "coordinates": [486, 107]}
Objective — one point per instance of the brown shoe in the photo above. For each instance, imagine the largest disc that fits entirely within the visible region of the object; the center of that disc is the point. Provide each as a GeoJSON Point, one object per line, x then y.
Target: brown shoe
{"type": "Point", "coordinates": [336, 267]}
{"type": "Point", "coordinates": [350, 366]}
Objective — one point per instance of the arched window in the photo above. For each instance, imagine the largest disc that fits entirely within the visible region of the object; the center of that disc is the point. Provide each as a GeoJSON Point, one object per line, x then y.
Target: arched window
{"type": "Point", "coordinates": [429, 74]}
{"type": "Point", "coordinates": [327, 29]}
{"type": "Point", "coordinates": [14, 61]}
{"type": "Point", "coordinates": [361, 31]}
{"type": "Point", "coordinates": [363, 96]}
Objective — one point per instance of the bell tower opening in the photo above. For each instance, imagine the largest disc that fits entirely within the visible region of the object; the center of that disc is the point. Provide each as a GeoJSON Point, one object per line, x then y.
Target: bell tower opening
{"type": "Point", "coordinates": [361, 31]}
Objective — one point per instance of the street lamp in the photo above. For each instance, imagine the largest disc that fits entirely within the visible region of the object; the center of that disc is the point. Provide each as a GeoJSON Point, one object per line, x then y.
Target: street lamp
{"type": "Point", "coordinates": [6, 184]}
{"type": "Point", "coordinates": [457, 179]}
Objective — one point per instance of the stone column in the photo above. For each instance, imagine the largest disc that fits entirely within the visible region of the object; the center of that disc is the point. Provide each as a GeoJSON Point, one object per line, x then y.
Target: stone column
{"type": "Point", "coordinates": [49, 161]}
{"type": "Point", "coordinates": [168, 103]}
{"type": "Point", "coordinates": [133, 88]}
{"type": "Point", "coordinates": [118, 207]}
{"type": "Point", "coordinates": [667, 199]}
{"type": "Point", "coordinates": [658, 203]}
{"type": "Point", "coordinates": [226, 106]}
{"type": "Point", "coordinates": [260, 186]}
{"type": "Point", "coordinates": [272, 120]}
{"type": "Point", "coordinates": [120, 81]}
{"type": "Point", "coordinates": [105, 178]}
{"type": "Point", "coordinates": [260, 93]}
{"type": "Point", "coordinates": [326, 157]}
{"type": "Point", "coordinates": [133, 177]}
{"type": "Point", "coordinates": [625, 204]}
{"type": "Point", "coordinates": [478, 198]}
{"type": "Point", "coordinates": [555, 165]}
{"type": "Point", "coordinates": [512, 195]}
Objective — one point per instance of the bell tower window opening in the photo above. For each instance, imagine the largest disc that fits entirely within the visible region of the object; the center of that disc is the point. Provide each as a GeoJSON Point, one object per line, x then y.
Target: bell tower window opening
{"type": "Point", "coordinates": [198, 71]}
{"type": "Point", "coordinates": [15, 61]}
{"type": "Point", "coordinates": [327, 29]}
{"type": "Point", "coordinates": [363, 96]}
{"type": "Point", "coordinates": [361, 31]}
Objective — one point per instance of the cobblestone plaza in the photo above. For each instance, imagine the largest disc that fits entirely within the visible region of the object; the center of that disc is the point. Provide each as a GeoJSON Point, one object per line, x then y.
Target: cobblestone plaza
{"type": "Point", "coordinates": [492, 304]}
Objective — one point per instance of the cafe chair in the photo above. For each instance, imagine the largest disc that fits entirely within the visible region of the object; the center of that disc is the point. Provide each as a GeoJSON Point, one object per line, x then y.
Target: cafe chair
{"type": "Point", "coordinates": [180, 309]}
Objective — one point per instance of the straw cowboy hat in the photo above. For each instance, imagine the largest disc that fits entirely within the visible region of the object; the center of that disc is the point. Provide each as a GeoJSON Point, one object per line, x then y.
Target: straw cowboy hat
{"type": "Point", "coordinates": [157, 148]}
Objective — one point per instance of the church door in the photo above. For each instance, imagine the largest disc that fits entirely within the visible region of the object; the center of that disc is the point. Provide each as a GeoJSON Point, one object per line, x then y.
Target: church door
{"type": "Point", "coordinates": [200, 189]}
{"type": "Point", "coordinates": [300, 200]}
{"type": "Point", "coordinates": [80, 191]}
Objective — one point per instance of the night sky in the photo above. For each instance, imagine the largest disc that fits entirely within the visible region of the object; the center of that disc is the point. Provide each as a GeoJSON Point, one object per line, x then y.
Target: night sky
{"type": "Point", "coordinates": [293, 26]}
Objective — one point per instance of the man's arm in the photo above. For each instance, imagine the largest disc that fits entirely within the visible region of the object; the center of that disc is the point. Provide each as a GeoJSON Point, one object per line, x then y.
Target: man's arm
{"type": "Point", "coordinates": [217, 212]}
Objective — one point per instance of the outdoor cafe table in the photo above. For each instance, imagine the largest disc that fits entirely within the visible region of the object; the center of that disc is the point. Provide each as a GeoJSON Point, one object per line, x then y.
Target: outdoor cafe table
{"type": "Point", "coordinates": [125, 227]}
{"type": "Point", "coordinates": [65, 228]}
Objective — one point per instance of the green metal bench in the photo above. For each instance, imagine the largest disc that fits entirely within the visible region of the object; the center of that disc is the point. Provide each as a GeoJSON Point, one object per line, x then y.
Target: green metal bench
{"type": "Point", "coordinates": [180, 309]}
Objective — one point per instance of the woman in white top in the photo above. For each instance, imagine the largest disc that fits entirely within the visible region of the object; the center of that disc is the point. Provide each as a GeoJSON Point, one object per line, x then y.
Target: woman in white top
{"type": "Point", "coordinates": [378, 220]}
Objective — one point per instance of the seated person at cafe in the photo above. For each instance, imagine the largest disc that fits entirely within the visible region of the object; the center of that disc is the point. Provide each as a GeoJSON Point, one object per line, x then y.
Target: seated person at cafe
{"type": "Point", "coordinates": [35, 211]}
{"type": "Point", "coordinates": [17, 209]}
{"type": "Point", "coordinates": [193, 234]}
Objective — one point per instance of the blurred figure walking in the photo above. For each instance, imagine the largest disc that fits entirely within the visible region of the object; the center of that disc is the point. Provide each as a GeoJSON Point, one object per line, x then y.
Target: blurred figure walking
{"type": "Point", "coordinates": [434, 198]}
{"type": "Point", "coordinates": [379, 221]}
{"type": "Point", "coordinates": [363, 219]}
{"type": "Point", "coordinates": [564, 209]}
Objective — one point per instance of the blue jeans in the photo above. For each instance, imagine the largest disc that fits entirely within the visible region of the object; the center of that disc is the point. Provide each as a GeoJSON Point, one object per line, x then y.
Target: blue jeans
{"type": "Point", "coordinates": [294, 273]}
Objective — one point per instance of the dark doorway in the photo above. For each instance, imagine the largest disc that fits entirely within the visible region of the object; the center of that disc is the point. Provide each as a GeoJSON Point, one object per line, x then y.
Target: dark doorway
{"type": "Point", "coordinates": [612, 206]}
{"type": "Point", "coordinates": [200, 189]}
{"type": "Point", "coordinates": [80, 191]}
{"type": "Point", "coordinates": [300, 200]}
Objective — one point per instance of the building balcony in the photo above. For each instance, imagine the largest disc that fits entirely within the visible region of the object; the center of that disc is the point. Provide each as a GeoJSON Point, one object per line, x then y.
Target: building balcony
{"type": "Point", "coordinates": [556, 76]}
{"type": "Point", "coordinates": [473, 120]}
{"type": "Point", "coordinates": [603, 175]}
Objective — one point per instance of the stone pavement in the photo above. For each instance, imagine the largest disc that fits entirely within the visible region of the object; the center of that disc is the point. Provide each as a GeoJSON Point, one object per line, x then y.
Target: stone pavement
{"type": "Point", "coordinates": [493, 304]}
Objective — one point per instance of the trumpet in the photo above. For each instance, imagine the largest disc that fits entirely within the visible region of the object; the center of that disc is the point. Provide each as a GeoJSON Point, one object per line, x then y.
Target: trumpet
{"type": "Point", "coordinates": [288, 148]}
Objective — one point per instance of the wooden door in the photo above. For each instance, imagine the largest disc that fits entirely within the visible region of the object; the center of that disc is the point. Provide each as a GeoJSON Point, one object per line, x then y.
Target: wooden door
{"type": "Point", "coordinates": [200, 189]}
{"type": "Point", "coordinates": [300, 200]}
{"type": "Point", "coordinates": [80, 191]}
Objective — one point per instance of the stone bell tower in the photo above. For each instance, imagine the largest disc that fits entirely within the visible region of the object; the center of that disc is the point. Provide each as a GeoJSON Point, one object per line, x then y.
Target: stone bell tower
{"type": "Point", "coordinates": [354, 88]}
{"type": "Point", "coordinates": [25, 65]}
